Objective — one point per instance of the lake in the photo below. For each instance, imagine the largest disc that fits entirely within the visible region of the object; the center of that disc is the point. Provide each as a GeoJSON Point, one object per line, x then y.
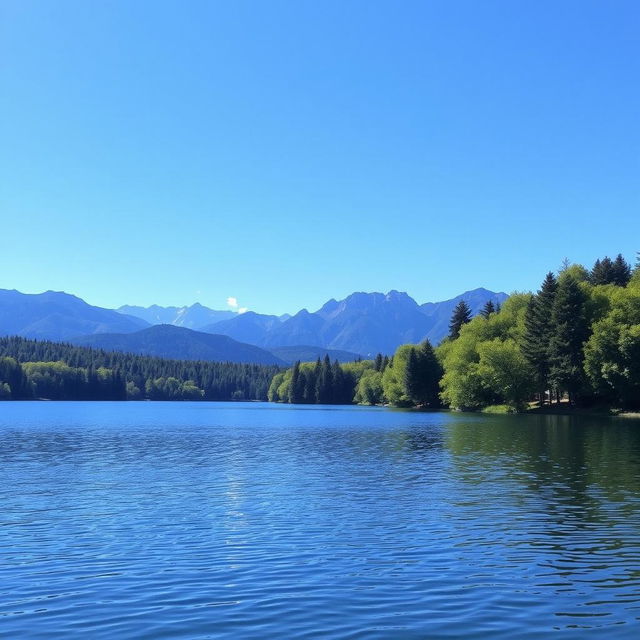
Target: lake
{"type": "Point", "coordinates": [250, 520]}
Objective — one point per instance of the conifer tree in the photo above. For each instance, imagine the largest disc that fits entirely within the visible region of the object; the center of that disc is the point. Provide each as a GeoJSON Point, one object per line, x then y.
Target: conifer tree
{"type": "Point", "coordinates": [423, 376]}
{"type": "Point", "coordinates": [411, 375]}
{"type": "Point", "coordinates": [340, 394]}
{"type": "Point", "coordinates": [569, 333]}
{"type": "Point", "coordinates": [461, 315]}
{"type": "Point", "coordinates": [603, 271]}
{"type": "Point", "coordinates": [295, 392]}
{"type": "Point", "coordinates": [621, 271]}
{"type": "Point", "coordinates": [324, 384]}
{"type": "Point", "coordinates": [538, 332]}
{"type": "Point", "coordinates": [488, 309]}
{"type": "Point", "coordinates": [378, 362]}
{"type": "Point", "coordinates": [309, 394]}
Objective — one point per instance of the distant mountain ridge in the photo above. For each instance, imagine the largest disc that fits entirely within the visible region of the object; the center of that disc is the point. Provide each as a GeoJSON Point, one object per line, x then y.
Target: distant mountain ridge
{"type": "Point", "coordinates": [365, 323]}
{"type": "Point", "coordinates": [362, 324]}
{"type": "Point", "coordinates": [194, 316]}
{"type": "Point", "coordinates": [55, 315]}
{"type": "Point", "coordinates": [306, 353]}
{"type": "Point", "coordinates": [179, 343]}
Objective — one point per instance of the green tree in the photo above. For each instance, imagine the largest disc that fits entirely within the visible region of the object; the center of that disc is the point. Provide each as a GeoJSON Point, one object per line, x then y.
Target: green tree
{"type": "Point", "coordinates": [570, 332]}
{"type": "Point", "coordinates": [461, 316]}
{"type": "Point", "coordinates": [470, 379]}
{"type": "Point", "coordinates": [612, 353]}
{"type": "Point", "coordinates": [621, 271]}
{"type": "Point", "coordinates": [602, 272]}
{"type": "Point", "coordinates": [538, 333]}
{"type": "Point", "coordinates": [369, 389]}
{"type": "Point", "coordinates": [488, 309]}
{"type": "Point", "coordinates": [296, 386]}
{"type": "Point", "coordinates": [422, 376]}
{"type": "Point", "coordinates": [504, 371]}
{"type": "Point", "coordinates": [324, 384]}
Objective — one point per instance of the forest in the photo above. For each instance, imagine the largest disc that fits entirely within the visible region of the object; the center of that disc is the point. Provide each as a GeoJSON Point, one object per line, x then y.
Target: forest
{"type": "Point", "coordinates": [31, 369]}
{"type": "Point", "coordinates": [575, 342]}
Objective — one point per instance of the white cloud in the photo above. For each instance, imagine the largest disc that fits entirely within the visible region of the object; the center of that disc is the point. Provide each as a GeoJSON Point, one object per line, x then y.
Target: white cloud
{"type": "Point", "coordinates": [243, 310]}
{"type": "Point", "coordinates": [232, 302]}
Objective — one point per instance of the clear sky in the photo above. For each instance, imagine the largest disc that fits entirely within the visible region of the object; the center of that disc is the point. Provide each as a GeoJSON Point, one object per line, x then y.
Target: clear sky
{"type": "Point", "coordinates": [283, 153]}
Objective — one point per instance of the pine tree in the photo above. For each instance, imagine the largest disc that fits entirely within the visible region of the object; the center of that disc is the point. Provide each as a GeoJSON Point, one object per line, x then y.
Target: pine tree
{"type": "Point", "coordinates": [378, 362]}
{"type": "Point", "coordinates": [461, 315]}
{"type": "Point", "coordinates": [309, 394]}
{"type": "Point", "coordinates": [488, 309]}
{"type": "Point", "coordinates": [538, 332]}
{"type": "Point", "coordinates": [295, 392]}
{"type": "Point", "coordinates": [324, 384]}
{"type": "Point", "coordinates": [569, 333]}
{"type": "Point", "coordinates": [340, 394]}
{"type": "Point", "coordinates": [621, 271]}
{"type": "Point", "coordinates": [411, 381]}
{"type": "Point", "coordinates": [423, 375]}
{"type": "Point", "coordinates": [603, 271]}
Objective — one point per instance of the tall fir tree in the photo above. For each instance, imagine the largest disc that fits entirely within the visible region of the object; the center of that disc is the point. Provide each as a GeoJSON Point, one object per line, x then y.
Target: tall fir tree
{"type": "Point", "coordinates": [538, 333]}
{"type": "Point", "coordinates": [603, 272]}
{"type": "Point", "coordinates": [411, 381]}
{"type": "Point", "coordinates": [324, 383]}
{"type": "Point", "coordinates": [569, 333]}
{"type": "Point", "coordinates": [424, 386]}
{"type": "Point", "coordinates": [621, 271]}
{"type": "Point", "coordinates": [298, 385]}
{"type": "Point", "coordinates": [488, 309]}
{"type": "Point", "coordinates": [461, 315]}
{"type": "Point", "coordinates": [309, 394]}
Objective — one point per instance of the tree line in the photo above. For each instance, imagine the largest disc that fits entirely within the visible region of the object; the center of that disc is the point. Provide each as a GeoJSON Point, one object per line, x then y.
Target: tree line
{"type": "Point", "coordinates": [42, 369]}
{"type": "Point", "coordinates": [575, 341]}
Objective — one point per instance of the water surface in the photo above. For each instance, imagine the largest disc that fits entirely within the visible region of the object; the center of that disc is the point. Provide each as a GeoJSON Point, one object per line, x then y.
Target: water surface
{"type": "Point", "coordinates": [247, 520]}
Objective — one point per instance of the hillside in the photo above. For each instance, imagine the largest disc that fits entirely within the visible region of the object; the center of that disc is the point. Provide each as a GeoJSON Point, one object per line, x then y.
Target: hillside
{"type": "Point", "coordinates": [167, 341]}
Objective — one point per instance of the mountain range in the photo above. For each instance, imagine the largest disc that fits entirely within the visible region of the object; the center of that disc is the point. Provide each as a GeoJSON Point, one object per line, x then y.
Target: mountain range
{"type": "Point", "coordinates": [361, 324]}
{"type": "Point", "coordinates": [54, 315]}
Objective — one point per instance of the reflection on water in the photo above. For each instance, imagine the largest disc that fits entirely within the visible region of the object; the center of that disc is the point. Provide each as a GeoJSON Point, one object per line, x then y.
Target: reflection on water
{"type": "Point", "coordinates": [151, 520]}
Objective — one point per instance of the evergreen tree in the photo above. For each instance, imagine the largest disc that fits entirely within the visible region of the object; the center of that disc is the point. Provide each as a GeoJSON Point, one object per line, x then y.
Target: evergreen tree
{"type": "Point", "coordinates": [324, 384]}
{"type": "Point", "coordinates": [603, 272]}
{"type": "Point", "coordinates": [621, 271]}
{"type": "Point", "coordinates": [309, 394]}
{"type": "Point", "coordinates": [296, 390]}
{"type": "Point", "coordinates": [378, 362]}
{"type": "Point", "coordinates": [342, 390]}
{"type": "Point", "coordinates": [538, 332]}
{"type": "Point", "coordinates": [423, 375]}
{"type": "Point", "coordinates": [488, 309]}
{"type": "Point", "coordinates": [569, 333]}
{"type": "Point", "coordinates": [412, 377]}
{"type": "Point", "coordinates": [461, 315]}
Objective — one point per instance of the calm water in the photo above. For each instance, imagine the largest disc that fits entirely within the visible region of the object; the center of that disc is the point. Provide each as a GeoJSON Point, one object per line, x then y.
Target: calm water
{"type": "Point", "coordinates": [161, 520]}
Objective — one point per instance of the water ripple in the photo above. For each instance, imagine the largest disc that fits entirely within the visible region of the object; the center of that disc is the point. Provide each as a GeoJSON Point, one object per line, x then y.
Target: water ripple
{"type": "Point", "coordinates": [154, 520]}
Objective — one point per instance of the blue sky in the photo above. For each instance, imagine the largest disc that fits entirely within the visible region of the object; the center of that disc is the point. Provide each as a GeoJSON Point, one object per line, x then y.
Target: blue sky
{"type": "Point", "coordinates": [284, 153]}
